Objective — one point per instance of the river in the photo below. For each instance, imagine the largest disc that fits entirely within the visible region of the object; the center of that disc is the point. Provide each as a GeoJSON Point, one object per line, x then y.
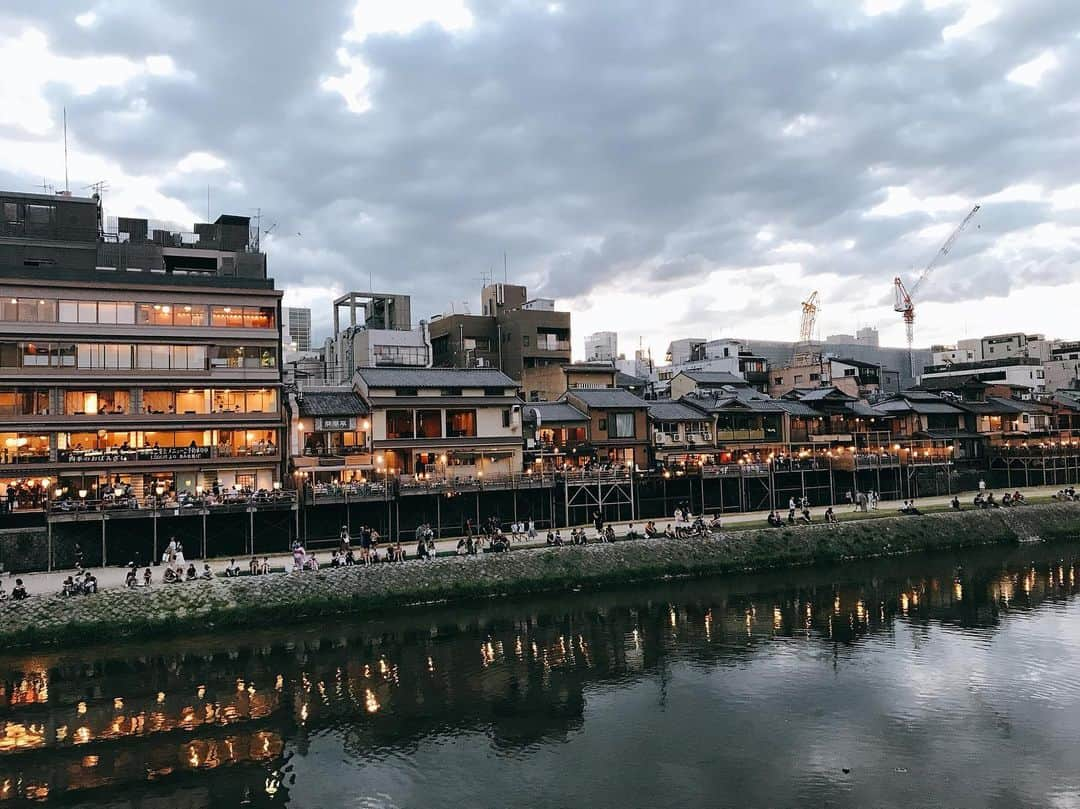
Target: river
{"type": "Point", "coordinates": [948, 680]}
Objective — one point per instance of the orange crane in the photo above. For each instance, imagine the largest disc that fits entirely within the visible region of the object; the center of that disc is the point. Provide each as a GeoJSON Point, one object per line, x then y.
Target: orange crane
{"type": "Point", "coordinates": [904, 303]}
{"type": "Point", "coordinates": [809, 317]}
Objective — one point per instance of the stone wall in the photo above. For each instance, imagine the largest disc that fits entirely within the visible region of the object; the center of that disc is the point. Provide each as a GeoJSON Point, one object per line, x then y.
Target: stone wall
{"type": "Point", "coordinates": [285, 597]}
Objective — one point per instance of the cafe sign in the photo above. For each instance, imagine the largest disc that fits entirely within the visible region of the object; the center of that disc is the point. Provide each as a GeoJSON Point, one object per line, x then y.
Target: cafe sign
{"type": "Point", "coordinates": [335, 423]}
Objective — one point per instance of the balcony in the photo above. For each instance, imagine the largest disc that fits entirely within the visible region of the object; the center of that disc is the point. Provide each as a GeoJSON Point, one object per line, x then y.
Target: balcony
{"type": "Point", "coordinates": [161, 454]}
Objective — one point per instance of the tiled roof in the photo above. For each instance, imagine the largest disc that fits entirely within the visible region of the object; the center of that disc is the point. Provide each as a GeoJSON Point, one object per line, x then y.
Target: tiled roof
{"type": "Point", "coordinates": [435, 378]}
{"type": "Point", "coordinates": [793, 408]}
{"type": "Point", "coordinates": [552, 413]}
{"type": "Point", "coordinates": [906, 404]}
{"type": "Point", "coordinates": [331, 403]}
{"type": "Point", "coordinates": [675, 411]}
{"type": "Point", "coordinates": [818, 394]}
{"type": "Point", "coordinates": [606, 397]}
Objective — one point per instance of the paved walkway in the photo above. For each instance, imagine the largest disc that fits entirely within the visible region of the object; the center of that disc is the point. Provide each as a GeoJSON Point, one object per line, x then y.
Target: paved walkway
{"type": "Point", "coordinates": [52, 582]}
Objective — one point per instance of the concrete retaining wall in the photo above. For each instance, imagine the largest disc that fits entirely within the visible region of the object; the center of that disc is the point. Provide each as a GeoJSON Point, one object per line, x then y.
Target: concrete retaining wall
{"type": "Point", "coordinates": [285, 597]}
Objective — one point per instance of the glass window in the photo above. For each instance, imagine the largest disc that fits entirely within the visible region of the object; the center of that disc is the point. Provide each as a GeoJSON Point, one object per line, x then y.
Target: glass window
{"type": "Point", "coordinates": [117, 356]}
{"type": "Point", "coordinates": [258, 317]}
{"type": "Point", "coordinates": [399, 424]}
{"type": "Point", "coordinates": [88, 311]}
{"type": "Point", "coordinates": [87, 354]}
{"type": "Point", "coordinates": [159, 401]}
{"type": "Point", "coordinates": [63, 355]}
{"type": "Point", "coordinates": [69, 311]}
{"type": "Point", "coordinates": [125, 313]}
{"type": "Point", "coordinates": [229, 317]}
{"type": "Point", "coordinates": [155, 314]}
{"type": "Point", "coordinates": [9, 310]}
{"type": "Point", "coordinates": [261, 401]}
{"type": "Point", "coordinates": [35, 355]}
{"type": "Point", "coordinates": [192, 401]}
{"type": "Point", "coordinates": [189, 315]}
{"type": "Point", "coordinates": [106, 312]}
{"type": "Point", "coordinates": [429, 424]}
{"type": "Point", "coordinates": [622, 425]}
{"type": "Point", "coordinates": [461, 423]}
{"type": "Point", "coordinates": [9, 355]}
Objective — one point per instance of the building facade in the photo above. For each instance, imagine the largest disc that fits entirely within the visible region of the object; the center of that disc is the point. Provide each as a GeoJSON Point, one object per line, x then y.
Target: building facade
{"type": "Point", "coordinates": [602, 346]}
{"type": "Point", "coordinates": [128, 380]}
{"type": "Point", "coordinates": [296, 329]}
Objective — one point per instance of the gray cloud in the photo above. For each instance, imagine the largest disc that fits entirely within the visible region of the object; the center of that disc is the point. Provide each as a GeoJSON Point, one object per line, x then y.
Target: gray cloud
{"type": "Point", "coordinates": [650, 141]}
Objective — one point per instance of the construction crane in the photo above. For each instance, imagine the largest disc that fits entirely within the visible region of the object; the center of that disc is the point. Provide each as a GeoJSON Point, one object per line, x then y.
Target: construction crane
{"type": "Point", "coordinates": [809, 317]}
{"type": "Point", "coordinates": [904, 297]}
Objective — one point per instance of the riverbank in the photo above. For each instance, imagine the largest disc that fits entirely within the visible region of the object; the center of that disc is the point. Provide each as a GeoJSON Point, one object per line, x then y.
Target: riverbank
{"type": "Point", "coordinates": [283, 598]}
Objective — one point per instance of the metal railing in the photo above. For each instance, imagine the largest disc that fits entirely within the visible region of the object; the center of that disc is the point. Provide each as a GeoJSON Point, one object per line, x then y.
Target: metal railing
{"type": "Point", "coordinates": [227, 501]}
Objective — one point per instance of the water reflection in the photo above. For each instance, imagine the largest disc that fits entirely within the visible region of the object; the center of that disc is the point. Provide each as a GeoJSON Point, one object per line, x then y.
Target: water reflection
{"type": "Point", "coordinates": [114, 726]}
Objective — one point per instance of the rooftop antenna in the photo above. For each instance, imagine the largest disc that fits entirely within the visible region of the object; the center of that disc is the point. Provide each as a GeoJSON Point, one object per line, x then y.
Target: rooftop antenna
{"type": "Point", "coordinates": [45, 186]}
{"type": "Point", "coordinates": [67, 188]}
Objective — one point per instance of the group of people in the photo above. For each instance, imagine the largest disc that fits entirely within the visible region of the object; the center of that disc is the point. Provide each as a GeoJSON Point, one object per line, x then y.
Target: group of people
{"type": "Point", "coordinates": [83, 582]}
{"type": "Point", "coordinates": [1067, 495]}
{"type": "Point", "coordinates": [863, 501]}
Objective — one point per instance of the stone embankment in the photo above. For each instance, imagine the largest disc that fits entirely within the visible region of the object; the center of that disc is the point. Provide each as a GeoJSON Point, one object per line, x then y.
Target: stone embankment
{"type": "Point", "coordinates": [288, 597]}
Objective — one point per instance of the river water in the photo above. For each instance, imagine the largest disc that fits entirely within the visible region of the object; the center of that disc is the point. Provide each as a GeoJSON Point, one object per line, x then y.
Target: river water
{"type": "Point", "coordinates": [946, 680]}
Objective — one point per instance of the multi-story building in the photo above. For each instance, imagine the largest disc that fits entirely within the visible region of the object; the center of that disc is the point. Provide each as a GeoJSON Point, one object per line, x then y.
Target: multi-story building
{"type": "Point", "coordinates": [126, 361]}
{"type": "Point", "coordinates": [1018, 371]}
{"type": "Point", "coordinates": [382, 336]}
{"type": "Point", "coordinates": [296, 329]}
{"type": "Point", "coordinates": [947, 355]}
{"type": "Point", "coordinates": [602, 346]}
{"type": "Point", "coordinates": [515, 334]}
{"type": "Point", "coordinates": [854, 377]}
{"type": "Point", "coordinates": [447, 422]}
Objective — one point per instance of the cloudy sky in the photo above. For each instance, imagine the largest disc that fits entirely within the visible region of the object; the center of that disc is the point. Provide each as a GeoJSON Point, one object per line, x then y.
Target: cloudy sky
{"type": "Point", "coordinates": [682, 168]}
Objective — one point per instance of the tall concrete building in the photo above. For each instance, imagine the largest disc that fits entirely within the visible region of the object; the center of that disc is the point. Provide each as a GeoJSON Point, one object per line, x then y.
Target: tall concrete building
{"type": "Point", "coordinates": [515, 333]}
{"type": "Point", "coordinates": [379, 333]}
{"type": "Point", "coordinates": [140, 360]}
{"type": "Point", "coordinates": [602, 346]}
{"type": "Point", "coordinates": [296, 328]}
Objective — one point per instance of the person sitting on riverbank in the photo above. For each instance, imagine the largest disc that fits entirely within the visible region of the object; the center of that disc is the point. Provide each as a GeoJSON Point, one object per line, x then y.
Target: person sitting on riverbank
{"type": "Point", "coordinates": [909, 508]}
{"type": "Point", "coordinates": [264, 566]}
{"type": "Point", "coordinates": [499, 543]}
{"type": "Point", "coordinates": [954, 504]}
{"type": "Point", "coordinates": [1018, 499]}
{"type": "Point", "coordinates": [804, 516]}
{"type": "Point", "coordinates": [18, 592]}
{"type": "Point", "coordinates": [147, 577]}
{"type": "Point", "coordinates": [650, 530]}
{"type": "Point", "coordinates": [397, 552]}
{"type": "Point", "coordinates": [192, 574]}
{"type": "Point", "coordinates": [774, 520]}
{"type": "Point", "coordinates": [253, 566]}
{"type": "Point", "coordinates": [3, 592]}
{"type": "Point", "coordinates": [669, 533]}
{"type": "Point", "coordinates": [422, 551]}
{"type": "Point", "coordinates": [206, 574]}
{"type": "Point", "coordinates": [232, 570]}
{"type": "Point", "coordinates": [830, 517]}
{"type": "Point", "coordinates": [171, 576]}
{"type": "Point", "coordinates": [631, 533]}
{"type": "Point", "coordinates": [131, 578]}
{"type": "Point", "coordinates": [1006, 500]}
{"type": "Point", "coordinates": [609, 534]}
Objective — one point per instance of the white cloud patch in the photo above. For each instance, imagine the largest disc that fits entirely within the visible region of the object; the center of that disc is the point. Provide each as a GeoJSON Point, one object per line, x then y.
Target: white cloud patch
{"type": "Point", "coordinates": [200, 161]}
{"type": "Point", "coordinates": [1031, 73]}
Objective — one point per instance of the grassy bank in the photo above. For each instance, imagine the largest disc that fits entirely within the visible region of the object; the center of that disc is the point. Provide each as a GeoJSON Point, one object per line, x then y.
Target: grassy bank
{"type": "Point", "coordinates": [285, 598]}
